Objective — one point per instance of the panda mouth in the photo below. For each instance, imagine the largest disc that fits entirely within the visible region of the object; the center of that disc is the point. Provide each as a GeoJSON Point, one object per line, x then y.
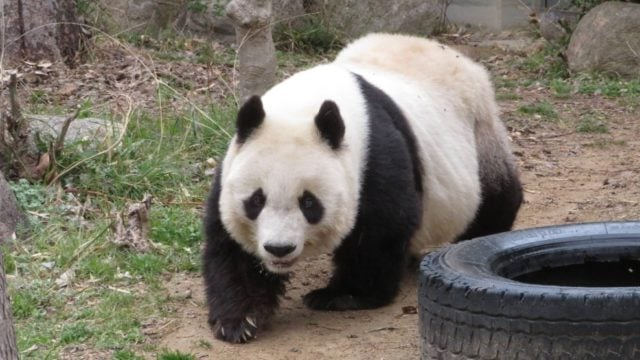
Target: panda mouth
{"type": "Point", "coordinates": [282, 264]}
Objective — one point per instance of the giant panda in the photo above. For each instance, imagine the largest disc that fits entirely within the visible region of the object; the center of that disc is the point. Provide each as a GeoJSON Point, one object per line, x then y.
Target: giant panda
{"type": "Point", "coordinates": [393, 149]}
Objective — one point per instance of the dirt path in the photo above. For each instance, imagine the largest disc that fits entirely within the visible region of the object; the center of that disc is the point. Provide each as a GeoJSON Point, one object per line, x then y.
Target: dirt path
{"type": "Point", "coordinates": [568, 177]}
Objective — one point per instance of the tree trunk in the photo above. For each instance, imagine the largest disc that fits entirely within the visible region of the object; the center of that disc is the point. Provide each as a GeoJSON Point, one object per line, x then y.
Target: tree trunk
{"type": "Point", "coordinates": [8, 348]}
{"type": "Point", "coordinates": [256, 52]}
{"type": "Point", "coordinates": [40, 30]}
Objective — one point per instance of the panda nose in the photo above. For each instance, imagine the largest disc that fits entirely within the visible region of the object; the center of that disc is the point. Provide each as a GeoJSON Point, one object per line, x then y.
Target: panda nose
{"type": "Point", "coordinates": [280, 250]}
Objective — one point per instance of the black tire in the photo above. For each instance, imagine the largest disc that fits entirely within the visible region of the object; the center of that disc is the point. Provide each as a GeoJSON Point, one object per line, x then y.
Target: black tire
{"type": "Point", "coordinates": [582, 299]}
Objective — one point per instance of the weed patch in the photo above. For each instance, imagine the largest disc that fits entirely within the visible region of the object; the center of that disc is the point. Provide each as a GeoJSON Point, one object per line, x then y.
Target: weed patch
{"type": "Point", "coordinates": [547, 63]}
{"type": "Point", "coordinates": [75, 333]}
{"type": "Point", "coordinates": [606, 143]}
{"type": "Point", "coordinates": [507, 96]}
{"type": "Point", "coordinates": [126, 355]}
{"type": "Point", "coordinates": [561, 88]}
{"type": "Point", "coordinates": [310, 36]}
{"type": "Point", "coordinates": [69, 279]}
{"type": "Point", "coordinates": [592, 123]}
{"type": "Point", "coordinates": [541, 109]}
{"type": "Point", "coordinates": [609, 87]}
{"type": "Point", "coordinates": [177, 355]}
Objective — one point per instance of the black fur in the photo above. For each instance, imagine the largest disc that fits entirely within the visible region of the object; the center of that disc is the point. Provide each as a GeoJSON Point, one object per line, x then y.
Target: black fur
{"type": "Point", "coordinates": [371, 259]}
{"type": "Point", "coordinates": [254, 204]}
{"type": "Point", "coordinates": [330, 124]}
{"type": "Point", "coordinates": [280, 250]}
{"type": "Point", "coordinates": [250, 116]}
{"type": "Point", "coordinates": [240, 293]}
{"type": "Point", "coordinates": [311, 207]}
{"type": "Point", "coordinates": [501, 199]}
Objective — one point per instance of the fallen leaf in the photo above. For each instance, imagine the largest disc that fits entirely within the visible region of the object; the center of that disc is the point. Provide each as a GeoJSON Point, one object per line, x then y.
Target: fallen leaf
{"type": "Point", "coordinates": [66, 278]}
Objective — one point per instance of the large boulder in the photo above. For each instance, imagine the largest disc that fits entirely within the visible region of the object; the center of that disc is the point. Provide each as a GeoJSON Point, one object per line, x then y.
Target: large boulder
{"type": "Point", "coordinates": [205, 18]}
{"type": "Point", "coordinates": [607, 39]}
{"type": "Point", "coordinates": [351, 18]}
{"type": "Point", "coordinates": [357, 17]}
{"type": "Point", "coordinates": [557, 24]}
{"type": "Point", "coordinates": [94, 130]}
{"type": "Point", "coordinates": [10, 216]}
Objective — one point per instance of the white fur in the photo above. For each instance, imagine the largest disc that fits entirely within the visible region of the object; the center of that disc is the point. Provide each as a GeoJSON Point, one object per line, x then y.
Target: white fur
{"type": "Point", "coordinates": [286, 156]}
{"type": "Point", "coordinates": [445, 98]}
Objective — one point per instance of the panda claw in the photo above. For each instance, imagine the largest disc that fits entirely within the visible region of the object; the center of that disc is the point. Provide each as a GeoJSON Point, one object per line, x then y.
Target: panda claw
{"type": "Point", "coordinates": [247, 332]}
{"type": "Point", "coordinates": [222, 331]}
{"type": "Point", "coordinates": [251, 321]}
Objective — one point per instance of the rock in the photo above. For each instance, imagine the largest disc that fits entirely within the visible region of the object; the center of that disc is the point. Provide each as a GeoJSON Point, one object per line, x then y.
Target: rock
{"type": "Point", "coordinates": [607, 39]}
{"type": "Point", "coordinates": [47, 127]}
{"type": "Point", "coordinates": [557, 25]}
{"type": "Point", "coordinates": [208, 21]}
{"type": "Point", "coordinates": [288, 12]}
{"type": "Point", "coordinates": [10, 216]}
{"type": "Point", "coordinates": [354, 18]}
{"type": "Point", "coordinates": [351, 18]}
{"type": "Point", "coordinates": [204, 18]}
{"type": "Point", "coordinates": [140, 16]}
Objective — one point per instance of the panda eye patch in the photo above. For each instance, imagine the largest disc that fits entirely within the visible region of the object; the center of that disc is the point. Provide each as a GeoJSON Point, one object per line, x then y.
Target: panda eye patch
{"type": "Point", "coordinates": [254, 204]}
{"type": "Point", "coordinates": [311, 207]}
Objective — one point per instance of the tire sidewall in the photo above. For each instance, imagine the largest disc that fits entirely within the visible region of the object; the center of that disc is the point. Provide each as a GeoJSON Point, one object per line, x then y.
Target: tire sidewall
{"type": "Point", "coordinates": [465, 271]}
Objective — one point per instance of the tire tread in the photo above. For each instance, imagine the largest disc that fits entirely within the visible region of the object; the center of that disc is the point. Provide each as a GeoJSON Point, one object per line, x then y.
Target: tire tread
{"type": "Point", "coordinates": [468, 312]}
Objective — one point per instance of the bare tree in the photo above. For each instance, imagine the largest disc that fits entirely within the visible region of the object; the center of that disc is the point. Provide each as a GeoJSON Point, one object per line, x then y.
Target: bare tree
{"type": "Point", "coordinates": [256, 52]}
{"type": "Point", "coordinates": [39, 30]}
{"type": "Point", "coordinates": [8, 348]}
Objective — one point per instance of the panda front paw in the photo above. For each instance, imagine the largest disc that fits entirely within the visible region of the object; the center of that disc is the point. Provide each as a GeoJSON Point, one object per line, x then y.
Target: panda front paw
{"type": "Point", "coordinates": [236, 331]}
{"type": "Point", "coordinates": [340, 300]}
{"type": "Point", "coordinates": [329, 299]}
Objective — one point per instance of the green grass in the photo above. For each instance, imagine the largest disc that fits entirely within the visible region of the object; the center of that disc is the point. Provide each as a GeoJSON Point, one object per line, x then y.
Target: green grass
{"type": "Point", "coordinates": [30, 197]}
{"type": "Point", "coordinates": [507, 96]}
{"type": "Point", "coordinates": [592, 123]}
{"type": "Point", "coordinates": [75, 333]}
{"type": "Point", "coordinates": [606, 143]}
{"type": "Point", "coordinates": [560, 88]}
{"type": "Point", "coordinates": [311, 35]}
{"type": "Point", "coordinates": [504, 83]}
{"type": "Point", "coordinates": [126, 355]}
{"type": "Point", "coordinates": [102, 307]}
{"type": "Point", "coordinates": [595, 84]}
{"type": "Point", "coordinates": [157, 156]}
{"type": "Point", "coordinates": [547, 63]}
{"type": "Point", "coordinates": [175, 355]}
{"type": "Point", "coordinates": [113, 290]}
{"type": "Point", "coordinates": [204, 344]}
{"type": "Point", "coordinates": [543, 109]}
{"type": "Point", "coordinates": [549, 69]}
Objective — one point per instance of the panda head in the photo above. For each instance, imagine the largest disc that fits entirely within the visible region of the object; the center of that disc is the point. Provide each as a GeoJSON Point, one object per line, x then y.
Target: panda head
{"type": "Point", "coordinates": [287, 191]}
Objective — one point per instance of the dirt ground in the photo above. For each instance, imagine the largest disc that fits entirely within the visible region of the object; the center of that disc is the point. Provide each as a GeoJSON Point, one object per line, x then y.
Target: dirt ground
{"type": "Point", "coordinates": [568, 177]}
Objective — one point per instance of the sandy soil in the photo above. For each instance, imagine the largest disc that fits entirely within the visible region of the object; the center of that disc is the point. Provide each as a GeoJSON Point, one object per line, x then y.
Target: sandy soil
{"type": "Point", "coordinates": [568, 177]}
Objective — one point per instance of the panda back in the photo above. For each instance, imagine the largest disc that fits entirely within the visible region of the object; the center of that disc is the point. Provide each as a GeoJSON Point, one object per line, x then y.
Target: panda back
{"type": "Point", "coordinates": [445, 97]}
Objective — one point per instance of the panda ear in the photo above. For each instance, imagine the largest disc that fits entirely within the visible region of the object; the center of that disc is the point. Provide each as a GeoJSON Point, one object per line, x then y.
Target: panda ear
{"type": "Point", "coordinates": [330, 124]}
{"type": "Point", "coordinates": [250, 116]}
